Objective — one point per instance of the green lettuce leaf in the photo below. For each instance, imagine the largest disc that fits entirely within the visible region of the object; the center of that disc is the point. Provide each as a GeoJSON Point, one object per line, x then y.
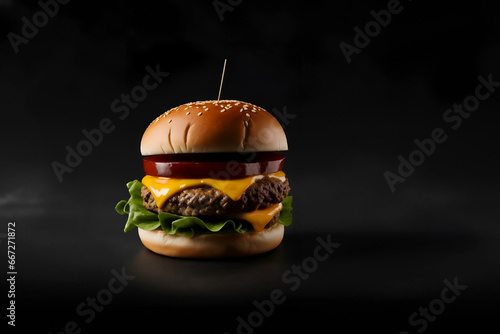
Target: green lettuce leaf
{"type": "Point", "coordinates": [139, 216]}
{"type": "Point", "coordinates": [285, 217]}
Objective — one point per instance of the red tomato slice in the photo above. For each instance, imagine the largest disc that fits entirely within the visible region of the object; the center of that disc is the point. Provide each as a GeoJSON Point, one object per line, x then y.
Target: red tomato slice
{"type": "Point", "coordinates": [213, 165]}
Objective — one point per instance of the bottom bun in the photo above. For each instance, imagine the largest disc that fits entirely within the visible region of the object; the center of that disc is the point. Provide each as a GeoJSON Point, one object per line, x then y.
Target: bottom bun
{"type": "Point", "coordinates": [214, 245]}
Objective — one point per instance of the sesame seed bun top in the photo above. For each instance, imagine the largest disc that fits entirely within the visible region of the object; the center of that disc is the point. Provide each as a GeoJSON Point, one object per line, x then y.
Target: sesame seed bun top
{"type": "Point", "coordinates": [214, 126]}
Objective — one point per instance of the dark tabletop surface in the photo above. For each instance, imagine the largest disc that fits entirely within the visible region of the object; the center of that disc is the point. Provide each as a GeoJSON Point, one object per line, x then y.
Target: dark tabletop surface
{"type": "Point", "coordinates": [373, 280]}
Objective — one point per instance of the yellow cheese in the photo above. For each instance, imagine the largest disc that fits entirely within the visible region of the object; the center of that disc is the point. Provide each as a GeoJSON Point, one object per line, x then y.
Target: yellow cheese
{"type": "Point", "coordinates": [162, 188]}
{"type": "Point", "coordinates": [259, 218]}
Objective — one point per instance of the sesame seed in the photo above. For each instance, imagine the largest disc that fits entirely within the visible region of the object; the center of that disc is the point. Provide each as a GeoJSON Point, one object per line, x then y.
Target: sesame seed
{"type": "Point", "coordinates": [241, 110]}
{"type": "Point", "coordinates": [246, 123]}
{"type": "Point", "coordinates": [222, 110]}
{"type": "Point", "coordinates": [248, 115]}
{"type": "Point", "coordinates": [200, 113]}
{"type": "Point", "coordinates": [170, 120]}
{"type": "Point", "coordinates": [254, 111]}
{"type": "Point", "coordinates": [187, 113]}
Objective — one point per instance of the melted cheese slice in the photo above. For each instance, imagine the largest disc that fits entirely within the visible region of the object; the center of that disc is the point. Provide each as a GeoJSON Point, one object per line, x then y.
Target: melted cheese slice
{"type": "Point", "coordinates": [162, 188]}
{"type": "Point", "coordinates": [259, 218]}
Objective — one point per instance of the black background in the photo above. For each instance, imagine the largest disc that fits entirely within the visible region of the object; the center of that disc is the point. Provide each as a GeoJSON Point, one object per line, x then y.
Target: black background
{"type": "Point", "coordinates": [351, 122]}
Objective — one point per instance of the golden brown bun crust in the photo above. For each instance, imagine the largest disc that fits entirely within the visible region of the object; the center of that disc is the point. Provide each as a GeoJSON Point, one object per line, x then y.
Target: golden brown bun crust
{"type": "Point", "coordinates": [215, 245]}
{"type": "Point", "coordinates": [211, 126]}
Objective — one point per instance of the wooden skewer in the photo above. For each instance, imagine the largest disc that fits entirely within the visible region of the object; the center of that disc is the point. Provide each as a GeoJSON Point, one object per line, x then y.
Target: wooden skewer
{"type": "Point", "coordinates": [222, 79]}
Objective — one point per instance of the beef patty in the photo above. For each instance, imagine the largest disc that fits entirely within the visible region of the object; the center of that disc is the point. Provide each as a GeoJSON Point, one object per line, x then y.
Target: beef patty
{"type": "Point", "coordinates": [208, 201]}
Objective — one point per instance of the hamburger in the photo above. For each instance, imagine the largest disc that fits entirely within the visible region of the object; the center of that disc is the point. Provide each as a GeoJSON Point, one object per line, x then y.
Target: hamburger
{"type": "Point", "coordinates": [214, 185]}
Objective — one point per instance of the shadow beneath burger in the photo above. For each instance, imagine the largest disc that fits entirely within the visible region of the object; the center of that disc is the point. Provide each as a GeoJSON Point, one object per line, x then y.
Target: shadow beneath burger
{"type": "Point", "coordinates": [193, 281]}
